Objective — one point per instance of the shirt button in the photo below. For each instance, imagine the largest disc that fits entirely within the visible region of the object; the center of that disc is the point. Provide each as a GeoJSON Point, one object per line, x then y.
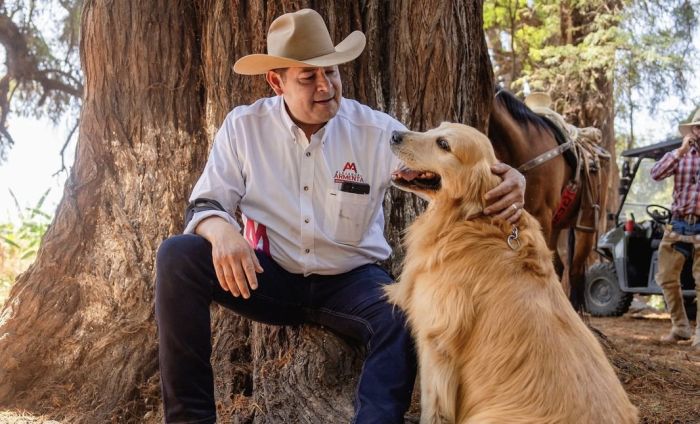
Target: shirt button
{"type": "Point", "coordinates": [308, 154]}
{"type": "Point", "coordinates": [307, 220]}
{"type": "Point", "coordinates": [307, 250]}
{"type": "Point", "coordinates": [306, 188]}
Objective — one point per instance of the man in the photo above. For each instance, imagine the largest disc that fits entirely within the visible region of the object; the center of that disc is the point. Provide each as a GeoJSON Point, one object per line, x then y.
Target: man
{"type": "Point", "coordinates": [309, 170]}
{"type": "Point", "coordinates": [684, 164]}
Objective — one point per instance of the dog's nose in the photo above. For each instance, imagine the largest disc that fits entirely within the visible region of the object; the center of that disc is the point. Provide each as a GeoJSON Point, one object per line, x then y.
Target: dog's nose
{"type": "Point", "coordinates": [396, 137]}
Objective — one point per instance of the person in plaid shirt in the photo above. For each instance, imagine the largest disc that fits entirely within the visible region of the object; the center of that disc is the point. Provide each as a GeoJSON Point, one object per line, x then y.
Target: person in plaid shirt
{"type": "Point", "coordinates": [684, 164]}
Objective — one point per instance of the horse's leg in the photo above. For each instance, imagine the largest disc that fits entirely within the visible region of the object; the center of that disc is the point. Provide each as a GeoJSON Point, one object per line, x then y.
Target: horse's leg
{"type": "Point", "coordinates": [555, 246]}
{"type": "Point", "coordinates": [577, 273]}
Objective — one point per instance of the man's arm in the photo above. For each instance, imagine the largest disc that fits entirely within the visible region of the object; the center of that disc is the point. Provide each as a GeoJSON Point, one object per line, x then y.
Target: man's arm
{"type": "Point", "coordinates": [508, 198]}
{"type": "Point", "coordinates": [234, 260]}
{"type": "Point", "coordinates": [668, 164]}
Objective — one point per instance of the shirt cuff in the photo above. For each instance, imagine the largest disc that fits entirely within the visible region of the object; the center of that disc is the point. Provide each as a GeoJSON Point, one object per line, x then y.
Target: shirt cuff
{"type": "Point", "coordinates": [201, 216]}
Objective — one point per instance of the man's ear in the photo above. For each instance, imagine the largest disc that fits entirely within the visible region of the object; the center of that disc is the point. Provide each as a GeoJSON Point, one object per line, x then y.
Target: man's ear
{"type": "Point", "coordinates": [275, 81]}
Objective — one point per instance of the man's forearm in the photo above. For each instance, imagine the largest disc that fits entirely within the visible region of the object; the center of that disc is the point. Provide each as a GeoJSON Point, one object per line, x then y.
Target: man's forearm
{"type": "Point", "coordinates": [212, 226]}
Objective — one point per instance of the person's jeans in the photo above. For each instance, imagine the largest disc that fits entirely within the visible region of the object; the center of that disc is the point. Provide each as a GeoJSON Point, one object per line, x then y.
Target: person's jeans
{"type": "Point", "coordinates": [352, 304]}
{"type": "Point", "coordinates": [683, 228]}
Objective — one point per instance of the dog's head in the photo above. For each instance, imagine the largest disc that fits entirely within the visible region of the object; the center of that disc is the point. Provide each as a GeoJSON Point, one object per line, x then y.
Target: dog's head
{"type": "Point", "coordinates": [451, 161]}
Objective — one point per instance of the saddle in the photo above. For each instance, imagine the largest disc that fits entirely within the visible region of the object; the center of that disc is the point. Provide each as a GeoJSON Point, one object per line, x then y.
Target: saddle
{"type": "Point", "coordinates": [587, 157]}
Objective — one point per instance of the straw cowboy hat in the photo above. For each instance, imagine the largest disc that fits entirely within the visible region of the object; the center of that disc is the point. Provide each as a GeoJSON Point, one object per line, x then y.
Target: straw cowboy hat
{"type": "Point", "coordinates": [300, 39]}
{"type": "Point", "coordinates": [685, 128]}
{"type": "Point", "coordinates": [538, 100]}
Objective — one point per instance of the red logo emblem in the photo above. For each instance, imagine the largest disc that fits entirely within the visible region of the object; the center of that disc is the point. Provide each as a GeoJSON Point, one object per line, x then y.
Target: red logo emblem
{"type": "Point", "coordinates": [350, 166]}
{"type": "Point", "coordinates": [256, 234]}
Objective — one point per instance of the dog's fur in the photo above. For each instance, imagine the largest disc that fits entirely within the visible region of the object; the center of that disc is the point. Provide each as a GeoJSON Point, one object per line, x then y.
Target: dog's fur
{"type": "Point", "coordinates": [497, 339]}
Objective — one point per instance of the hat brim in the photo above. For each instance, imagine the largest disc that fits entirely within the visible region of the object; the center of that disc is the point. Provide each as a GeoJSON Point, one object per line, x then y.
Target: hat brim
{"type": "Point", "coordinates": [685, 128]}
{"type": "Point", "coordinates": [348, 49]}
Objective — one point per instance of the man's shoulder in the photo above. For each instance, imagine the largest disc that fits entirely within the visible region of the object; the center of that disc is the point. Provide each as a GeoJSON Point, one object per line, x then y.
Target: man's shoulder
{"type": "Point", "coordinates": [261, 107]}
{"type": "Point", "coordinates": [364, 116]}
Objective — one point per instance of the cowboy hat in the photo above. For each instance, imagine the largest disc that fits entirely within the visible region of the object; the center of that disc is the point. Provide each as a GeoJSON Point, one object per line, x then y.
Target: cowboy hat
{"type": "Point", "coordinates": [538, 99]}
{"type": "Point", "coordinates": [685, 128]}
{"type": "Point", "coordinates": [300, 39]}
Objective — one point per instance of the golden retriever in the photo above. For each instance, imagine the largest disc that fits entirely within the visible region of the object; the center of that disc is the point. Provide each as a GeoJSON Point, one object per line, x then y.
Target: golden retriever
{"type": "Point", "coordinates": [497, 339]}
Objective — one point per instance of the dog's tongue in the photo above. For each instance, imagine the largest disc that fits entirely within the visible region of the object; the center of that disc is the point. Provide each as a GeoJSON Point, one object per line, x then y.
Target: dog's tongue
{"type": "Point", "coordinates": [406, 174]}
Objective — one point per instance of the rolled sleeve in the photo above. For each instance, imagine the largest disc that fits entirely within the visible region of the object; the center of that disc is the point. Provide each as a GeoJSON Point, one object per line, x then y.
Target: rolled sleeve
{"type": "Point", "coordinates": [201, 216]}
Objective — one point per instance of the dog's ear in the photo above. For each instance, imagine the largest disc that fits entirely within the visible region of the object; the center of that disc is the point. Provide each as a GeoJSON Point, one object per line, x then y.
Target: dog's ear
{"type": "Point", "coordinates": [475, 181]}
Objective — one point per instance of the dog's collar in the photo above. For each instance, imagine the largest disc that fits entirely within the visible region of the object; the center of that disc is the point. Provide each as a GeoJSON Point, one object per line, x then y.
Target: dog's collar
{"type": "Point", "coordinates": [513, 238]}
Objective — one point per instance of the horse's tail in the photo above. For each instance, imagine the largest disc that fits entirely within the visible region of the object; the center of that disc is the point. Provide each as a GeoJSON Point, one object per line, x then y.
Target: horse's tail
{"type": "Point", "coordinates": [577, 288]}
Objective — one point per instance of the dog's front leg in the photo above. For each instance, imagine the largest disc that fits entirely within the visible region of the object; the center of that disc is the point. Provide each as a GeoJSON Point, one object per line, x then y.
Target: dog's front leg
{"type": "Point", "coordinates": [438, 387]}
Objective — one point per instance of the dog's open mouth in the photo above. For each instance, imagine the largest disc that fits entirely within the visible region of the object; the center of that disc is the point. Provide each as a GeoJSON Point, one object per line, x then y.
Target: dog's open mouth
{"type": "Point", "coordinates": [409, 178]}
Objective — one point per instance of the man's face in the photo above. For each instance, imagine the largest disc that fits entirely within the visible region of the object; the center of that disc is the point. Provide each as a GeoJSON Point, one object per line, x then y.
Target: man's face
{"type": "Point", "coordinates": [695, 130]}
{"type": "Point", "coordinates": [311, 94]}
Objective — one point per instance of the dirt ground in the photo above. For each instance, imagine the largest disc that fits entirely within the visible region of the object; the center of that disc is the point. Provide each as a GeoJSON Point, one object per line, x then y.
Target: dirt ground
{"type": "Point", "coordinates": [662, 380]}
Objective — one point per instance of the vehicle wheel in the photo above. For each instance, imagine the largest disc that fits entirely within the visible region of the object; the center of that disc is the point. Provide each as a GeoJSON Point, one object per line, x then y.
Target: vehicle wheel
{"type": "Point", "coordinates": [691, 308]}
{"type": "Point", "coordinates": [603, 295]}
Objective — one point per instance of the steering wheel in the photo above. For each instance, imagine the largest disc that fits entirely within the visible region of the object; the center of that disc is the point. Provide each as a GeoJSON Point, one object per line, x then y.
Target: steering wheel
{"type": "Point", "coordinates": [658, 213]}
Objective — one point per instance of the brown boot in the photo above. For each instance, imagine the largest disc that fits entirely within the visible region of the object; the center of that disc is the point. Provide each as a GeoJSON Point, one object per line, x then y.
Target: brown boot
{"type": "Point", "coordinates": [680, 329]}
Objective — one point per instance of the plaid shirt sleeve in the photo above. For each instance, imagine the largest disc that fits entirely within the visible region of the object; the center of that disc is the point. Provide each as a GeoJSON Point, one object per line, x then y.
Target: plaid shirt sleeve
{"type": "Point", "coordinates": [666, 166]}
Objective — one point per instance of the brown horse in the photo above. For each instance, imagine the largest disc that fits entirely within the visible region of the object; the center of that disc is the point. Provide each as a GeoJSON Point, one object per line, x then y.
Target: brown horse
{"type": "Point", "coordinates": [518, 136]}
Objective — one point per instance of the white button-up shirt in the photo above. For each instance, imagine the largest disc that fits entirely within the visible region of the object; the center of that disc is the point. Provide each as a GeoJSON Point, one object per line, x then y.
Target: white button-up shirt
{"type": "Point", "coordinates": [290, 189]}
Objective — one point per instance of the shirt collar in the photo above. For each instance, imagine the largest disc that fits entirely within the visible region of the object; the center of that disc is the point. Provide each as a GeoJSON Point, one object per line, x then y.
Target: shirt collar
{"type": "Point", "coordinates": [293, 127]}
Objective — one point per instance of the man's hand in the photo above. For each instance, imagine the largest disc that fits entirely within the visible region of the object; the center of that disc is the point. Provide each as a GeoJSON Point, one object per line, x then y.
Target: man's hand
{"type": "Point", "coordinates": [508, 198]}
{"type": "Point", "coordinates": [234, 260]}
{"type": "Point", "coordinates": [688, 141]}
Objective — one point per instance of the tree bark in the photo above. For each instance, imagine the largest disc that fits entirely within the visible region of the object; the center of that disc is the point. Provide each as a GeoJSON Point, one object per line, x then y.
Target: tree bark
{"type": "Point", "coordinates": [77, 335]}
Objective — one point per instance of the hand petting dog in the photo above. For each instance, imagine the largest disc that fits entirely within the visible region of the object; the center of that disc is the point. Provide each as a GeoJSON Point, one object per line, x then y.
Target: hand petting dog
{"type": "Point", "coordinates": [507, 199]}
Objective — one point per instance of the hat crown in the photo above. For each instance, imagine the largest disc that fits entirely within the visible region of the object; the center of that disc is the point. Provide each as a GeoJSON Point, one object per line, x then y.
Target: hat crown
{"type": "Point", "coordinates": [696, 116]}
{"type": "Point", "coordinates": [300, 35]}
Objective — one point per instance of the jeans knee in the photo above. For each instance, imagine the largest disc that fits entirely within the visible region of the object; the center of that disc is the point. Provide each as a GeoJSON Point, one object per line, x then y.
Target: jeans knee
{"type": "Point", "coordinates": [177, 251]}
{"type": "Point", "coordinates": [175, 255]}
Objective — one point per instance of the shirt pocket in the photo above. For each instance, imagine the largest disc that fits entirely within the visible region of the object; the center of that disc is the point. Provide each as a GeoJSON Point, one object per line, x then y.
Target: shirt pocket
{"type": "Point", "coordinates": [347, 218]}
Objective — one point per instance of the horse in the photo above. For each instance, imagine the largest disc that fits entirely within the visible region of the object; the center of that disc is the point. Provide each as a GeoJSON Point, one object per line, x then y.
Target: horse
{"type": "Point", "coordinates": [539, 149]}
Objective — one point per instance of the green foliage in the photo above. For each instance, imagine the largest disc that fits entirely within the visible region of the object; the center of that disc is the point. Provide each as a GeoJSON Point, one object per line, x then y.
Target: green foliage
{"type": "Point", "coordinates": [19, 243]}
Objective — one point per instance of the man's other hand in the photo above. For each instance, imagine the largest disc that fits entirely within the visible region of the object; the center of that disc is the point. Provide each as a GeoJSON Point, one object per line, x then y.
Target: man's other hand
{"type": "Point", "coordinates": [507, 199]}
{"type": "Point", "coordinates": [688, 141]}
{"type": "Point", "coordinates": [234, 260]}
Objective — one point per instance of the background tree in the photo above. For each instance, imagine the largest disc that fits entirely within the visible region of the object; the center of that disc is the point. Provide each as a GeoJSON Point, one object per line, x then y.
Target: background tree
{"type": "Point", "coordinates": [78, 335]}
{"type": "Point", "coordinates": [41, 75]}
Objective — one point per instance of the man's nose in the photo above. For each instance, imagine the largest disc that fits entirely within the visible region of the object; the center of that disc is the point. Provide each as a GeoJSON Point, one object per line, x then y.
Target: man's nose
{"type": "Point", "coordinates": [396, 137]}
{"type": "Point", "coordinates": [323, 83]}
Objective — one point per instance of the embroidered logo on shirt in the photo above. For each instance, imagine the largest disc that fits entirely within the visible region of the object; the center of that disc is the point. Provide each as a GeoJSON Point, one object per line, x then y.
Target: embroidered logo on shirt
{"type": "Point", "coordinates": [349, 173]}
{"type": "Point", "coordinates": [256, 234]}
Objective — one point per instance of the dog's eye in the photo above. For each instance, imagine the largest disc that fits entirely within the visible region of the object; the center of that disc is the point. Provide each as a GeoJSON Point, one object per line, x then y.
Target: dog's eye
{"type": "Point", "coordinates": [443, 144]}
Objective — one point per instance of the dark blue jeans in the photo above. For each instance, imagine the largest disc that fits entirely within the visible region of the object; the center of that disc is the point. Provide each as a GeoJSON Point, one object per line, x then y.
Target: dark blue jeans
{"type": "Point", "coordinates": [351, 304]}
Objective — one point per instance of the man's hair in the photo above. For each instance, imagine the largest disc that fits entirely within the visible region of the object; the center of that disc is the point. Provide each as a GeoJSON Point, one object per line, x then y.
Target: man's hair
{"type": "Point", "coordinates": [282, 72]}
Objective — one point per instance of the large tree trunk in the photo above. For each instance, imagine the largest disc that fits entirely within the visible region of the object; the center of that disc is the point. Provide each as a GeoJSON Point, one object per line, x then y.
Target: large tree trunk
{"type": "Point", "coordinates": [77, 335]}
